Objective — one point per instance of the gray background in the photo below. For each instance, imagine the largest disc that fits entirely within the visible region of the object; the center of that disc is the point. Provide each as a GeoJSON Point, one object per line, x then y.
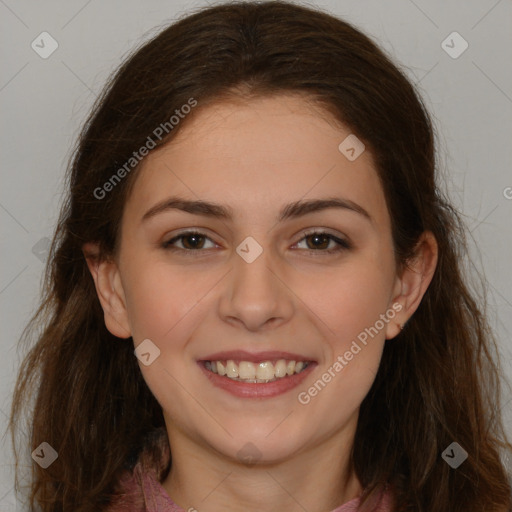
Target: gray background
{"type": "Point", "coordinates": [43, 103]}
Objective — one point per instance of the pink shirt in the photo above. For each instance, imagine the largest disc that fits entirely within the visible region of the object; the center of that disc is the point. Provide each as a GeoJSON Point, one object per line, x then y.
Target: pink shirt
{"type": "Point", "coordinates": [144, 493]}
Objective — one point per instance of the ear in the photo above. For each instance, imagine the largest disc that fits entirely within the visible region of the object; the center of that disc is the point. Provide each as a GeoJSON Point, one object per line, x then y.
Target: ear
{"type": "Point", "coordinates": [109, 288]}
{"type": "Point", "coordinates": [414, 281]}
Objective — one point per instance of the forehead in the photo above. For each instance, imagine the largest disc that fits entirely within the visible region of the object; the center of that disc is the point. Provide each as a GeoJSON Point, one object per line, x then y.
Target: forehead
{"type": "Point", "coordinates": [256, 155]}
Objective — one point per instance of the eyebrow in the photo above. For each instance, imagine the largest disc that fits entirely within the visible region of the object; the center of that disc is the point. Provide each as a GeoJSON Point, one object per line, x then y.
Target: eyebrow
{"type": "Point", "coordinates": [289, 211]}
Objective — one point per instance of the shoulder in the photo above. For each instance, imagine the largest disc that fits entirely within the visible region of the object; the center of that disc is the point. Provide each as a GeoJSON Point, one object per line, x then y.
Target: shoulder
{"type": "Point", "coordinates": [135, 485]}
{"type": "Point", "coordinates": [387, 501]}
{"type": "Point", "coordinates": [129, 495]}
{"type": "Point", "coordinates": [381, 499]}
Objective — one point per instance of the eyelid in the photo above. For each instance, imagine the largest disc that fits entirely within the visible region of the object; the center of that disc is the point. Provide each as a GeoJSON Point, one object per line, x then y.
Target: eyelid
{"type": "Point", "coordinates": [321, 231]}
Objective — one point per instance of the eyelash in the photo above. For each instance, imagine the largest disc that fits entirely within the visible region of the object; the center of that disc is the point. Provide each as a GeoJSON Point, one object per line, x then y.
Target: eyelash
{"type": "Point", "coordinates": [342, 245]}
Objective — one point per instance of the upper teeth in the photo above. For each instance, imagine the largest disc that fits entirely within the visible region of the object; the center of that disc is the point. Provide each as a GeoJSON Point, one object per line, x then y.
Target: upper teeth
{"type": "Point", "coordinates": [255, 372]}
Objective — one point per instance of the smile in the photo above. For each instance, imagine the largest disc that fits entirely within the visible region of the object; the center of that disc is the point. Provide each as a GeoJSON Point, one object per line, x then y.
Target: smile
{"type": "Point", "coordinates": [256, 373]}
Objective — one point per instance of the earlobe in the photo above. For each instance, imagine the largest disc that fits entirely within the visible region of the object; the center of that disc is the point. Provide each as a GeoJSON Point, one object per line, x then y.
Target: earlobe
{"type": "Point", "coordinates": [414, 281]}
{"type": "Point", "coordinates": [107, 281]}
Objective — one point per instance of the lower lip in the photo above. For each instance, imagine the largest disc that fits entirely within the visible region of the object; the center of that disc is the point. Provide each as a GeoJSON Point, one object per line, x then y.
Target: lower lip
{"type": "Point", "coordinates": [257, 390]}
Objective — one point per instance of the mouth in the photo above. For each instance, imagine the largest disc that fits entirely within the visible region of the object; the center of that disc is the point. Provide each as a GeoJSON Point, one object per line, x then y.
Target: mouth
{"type": "Point", "coordinates": [260, 375]}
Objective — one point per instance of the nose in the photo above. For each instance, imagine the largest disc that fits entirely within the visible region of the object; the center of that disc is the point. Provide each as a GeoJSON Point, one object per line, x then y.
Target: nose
{"type": "Point", "coordinates": [256, 294]}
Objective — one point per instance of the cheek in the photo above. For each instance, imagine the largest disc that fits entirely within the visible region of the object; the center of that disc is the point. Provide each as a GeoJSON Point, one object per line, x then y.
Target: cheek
{"type": "Point", "coordinates": [355, 342]}
{"type": "Point", "coordinates": [165, 305]}
{"type": "Point", "coordinates": [354, 305]}
{"type": "Point", "coordinates": [158, 297]}
{"type": "Point", "coordinates": [352, 298]}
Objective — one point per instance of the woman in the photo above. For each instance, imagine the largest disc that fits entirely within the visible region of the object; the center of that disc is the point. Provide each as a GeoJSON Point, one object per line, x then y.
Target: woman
{"type": "Point", "coordinates": [256, 274]}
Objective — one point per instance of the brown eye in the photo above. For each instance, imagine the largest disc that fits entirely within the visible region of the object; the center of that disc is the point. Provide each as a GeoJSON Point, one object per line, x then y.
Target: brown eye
{"type": "Point", "coordinates": [324, 242]}
{"type": "Point", "coordinates": [318, 241]}
{"type": "Point", "coordinates": [190, 241]}
{"type": "Point", "coordinates": [193, 241]}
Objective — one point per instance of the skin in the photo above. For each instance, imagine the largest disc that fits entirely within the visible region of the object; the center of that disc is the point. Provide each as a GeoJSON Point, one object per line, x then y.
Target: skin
{"type": "Point", "coordinates": [255, 156]}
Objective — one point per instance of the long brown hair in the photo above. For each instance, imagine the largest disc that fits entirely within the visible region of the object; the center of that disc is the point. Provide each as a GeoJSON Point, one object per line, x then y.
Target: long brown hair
{"type": "Point", "coordinates": [439, 380]}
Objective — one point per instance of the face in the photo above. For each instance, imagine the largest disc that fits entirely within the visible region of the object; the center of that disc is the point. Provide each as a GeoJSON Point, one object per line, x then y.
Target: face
{"type": "Point", "coordinates": [282, 276]}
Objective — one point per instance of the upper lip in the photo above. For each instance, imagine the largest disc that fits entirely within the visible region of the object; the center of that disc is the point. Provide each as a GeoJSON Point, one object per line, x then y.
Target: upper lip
{"type": "Point", "coordinates": [255, 357]}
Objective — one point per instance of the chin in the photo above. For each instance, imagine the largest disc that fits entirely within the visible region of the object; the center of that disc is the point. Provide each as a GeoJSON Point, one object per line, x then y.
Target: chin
{"type": "Point", "coordinates": [259, 449]}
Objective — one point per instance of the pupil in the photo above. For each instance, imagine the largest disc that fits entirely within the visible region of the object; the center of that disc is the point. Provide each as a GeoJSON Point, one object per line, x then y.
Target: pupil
{"type": "Point", "coordinates": [316, 238]}
{"type": "Point", "coordinates": [193, 237]}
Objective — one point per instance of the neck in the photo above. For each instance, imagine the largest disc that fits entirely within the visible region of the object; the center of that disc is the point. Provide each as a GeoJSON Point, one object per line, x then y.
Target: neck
{"type": "Point", "coordinates": [319, 479]}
